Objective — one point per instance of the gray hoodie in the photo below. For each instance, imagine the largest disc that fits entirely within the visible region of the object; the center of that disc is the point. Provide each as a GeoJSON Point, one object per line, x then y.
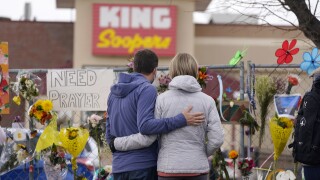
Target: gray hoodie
{"type": "Point", "coordinates": [184, 150]}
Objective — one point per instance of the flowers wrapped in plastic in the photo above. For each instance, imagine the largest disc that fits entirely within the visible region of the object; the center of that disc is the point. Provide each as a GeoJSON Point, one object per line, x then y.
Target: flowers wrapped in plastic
{"type": "Point", "coordinates": [280, 129]}
{"type": "Point", "coordinates": [26, 86]}
{"type": "Point", "coordinates": [74, 140]}
{"type": "Point", "coordinates": [41, 110]}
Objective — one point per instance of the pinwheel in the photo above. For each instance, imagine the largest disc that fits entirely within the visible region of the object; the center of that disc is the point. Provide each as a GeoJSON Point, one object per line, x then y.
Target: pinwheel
{"type": "Point", "coordinates": [311, 61]}
{"type": "Point", "coordinates": [237, 57]}
{"type": "Point", "coordinates": [285, 53]}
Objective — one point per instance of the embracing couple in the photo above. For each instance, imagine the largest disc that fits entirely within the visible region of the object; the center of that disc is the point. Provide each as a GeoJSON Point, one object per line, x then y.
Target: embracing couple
{"type": "Point", "coordinates": [164, 137]}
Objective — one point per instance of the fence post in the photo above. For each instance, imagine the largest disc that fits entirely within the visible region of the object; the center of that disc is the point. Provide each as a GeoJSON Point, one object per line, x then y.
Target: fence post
{"type": "Point", "coordinates": [241, 98]}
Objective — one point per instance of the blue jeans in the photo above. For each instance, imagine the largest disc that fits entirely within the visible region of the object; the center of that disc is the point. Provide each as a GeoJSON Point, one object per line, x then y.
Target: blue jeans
{"type": "Point", "coordinates": [311, 172]}
{"type": "Point", "coordinates": [142, 174]}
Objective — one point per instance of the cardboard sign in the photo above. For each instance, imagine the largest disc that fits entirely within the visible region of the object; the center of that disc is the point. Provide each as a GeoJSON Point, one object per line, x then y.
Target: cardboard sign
{"type": "Point", "coordinates": [121, 29]}
{"type": "Point", "coordinates": [4, 78]}
{"type": "Point", "coordinates": [286, 104]}
{"type": "Point", "coordinates": [82, 89]}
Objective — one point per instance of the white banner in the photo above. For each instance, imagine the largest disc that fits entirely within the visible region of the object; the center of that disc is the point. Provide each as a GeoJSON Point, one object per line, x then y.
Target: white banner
{"type": "Point", "coordinates": [79, 89]}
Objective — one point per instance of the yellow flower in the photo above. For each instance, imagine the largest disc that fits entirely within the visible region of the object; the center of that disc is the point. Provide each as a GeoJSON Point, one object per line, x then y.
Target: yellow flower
{"type": "Point", "coordinates": [47, 105]}
{"type": "Point", "coordinates": [17, 100]}
{"type": "Point", "coordinates": [38, 114]}
{"type": "Point", "coordinates": [287, 121]}
{"type": "Point", "coordinates": [73, 133]}
{"type": "Point", "coordinates": [37, 104]}
{"type": "Point", "coordinates": [233, 154]}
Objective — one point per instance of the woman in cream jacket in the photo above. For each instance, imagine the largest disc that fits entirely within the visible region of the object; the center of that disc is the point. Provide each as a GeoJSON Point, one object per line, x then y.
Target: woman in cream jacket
{"type": "Point", "coordinates": [183, 153]}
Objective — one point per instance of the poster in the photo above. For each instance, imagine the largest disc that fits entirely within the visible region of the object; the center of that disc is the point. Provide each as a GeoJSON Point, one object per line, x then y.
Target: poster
{"type": "Point", "coordinates": [286, 104]}
{"type": "Point", "coordinates": [79, 89]}
{"type": "Point", "coordinates": [4, 78]}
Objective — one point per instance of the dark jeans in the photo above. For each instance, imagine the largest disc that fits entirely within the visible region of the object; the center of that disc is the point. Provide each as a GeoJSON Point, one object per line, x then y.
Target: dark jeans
{"type": "Point", "coordinates": [311, 172]}
{"type": "Point", "coordinates": [201, 177]}
{"type": "Point", "coordinates": [142, 174]}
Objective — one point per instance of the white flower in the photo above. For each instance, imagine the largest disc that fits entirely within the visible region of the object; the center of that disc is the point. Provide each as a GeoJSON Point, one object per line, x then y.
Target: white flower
{"type": "Point", "coordinates": [94, 120]}
{"type": "Point", "coordinates": [285, 175]}
{"type": "Point", "coordinates": [22, 155]}
{"type": "Point", "coordinates": [29, 83]}
{"type": "Point", "coordinates": [19, 135]}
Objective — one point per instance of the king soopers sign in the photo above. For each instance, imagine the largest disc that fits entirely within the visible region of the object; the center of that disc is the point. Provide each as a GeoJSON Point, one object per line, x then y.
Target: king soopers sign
{"type": "Point", "coordinates": [122, 29]}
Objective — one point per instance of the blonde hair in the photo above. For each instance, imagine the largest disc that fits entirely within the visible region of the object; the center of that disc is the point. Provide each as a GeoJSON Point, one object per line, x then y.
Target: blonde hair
{"type": "Point", "coordinates": [183, 64]}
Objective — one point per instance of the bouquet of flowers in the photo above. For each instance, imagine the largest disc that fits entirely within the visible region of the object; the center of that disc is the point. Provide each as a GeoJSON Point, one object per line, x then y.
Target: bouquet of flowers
{"type": "Point", "coordinates": [96, 128]}
{"type": "Point", "coordinates": [26, 86]}
{"type": "Point", "coordinates": [280, 130]}
{"type": "Point", "coordinates": [245, 166]}
{"type": "Point", "coordinates": [203, 77]}
{"type": "Point", "coordinates": [41, 110]}
{"type": "Point", "coordinates": [164, 81]}
{"type": "Point", "coordinates": [293, 80]}
{"type": "Point", "coordinates": [55, 164]}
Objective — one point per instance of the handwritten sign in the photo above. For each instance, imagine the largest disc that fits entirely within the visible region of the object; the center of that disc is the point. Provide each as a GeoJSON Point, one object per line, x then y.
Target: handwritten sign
{"type": "Point", "coordinates": [82, 89]}
{"type": "Point", "coordinates": [4, 78]}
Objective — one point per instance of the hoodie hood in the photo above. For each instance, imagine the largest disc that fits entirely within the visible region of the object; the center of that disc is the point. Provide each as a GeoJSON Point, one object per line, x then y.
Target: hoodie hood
{"type": "Point", "coordinates": [186, 83]}
{"type": "Point", "coordinates": [127, 83]}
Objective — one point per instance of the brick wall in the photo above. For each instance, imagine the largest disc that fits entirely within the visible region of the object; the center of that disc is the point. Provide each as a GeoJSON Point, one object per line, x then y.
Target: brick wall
{"type": "Point", "coordinates": [35, 45]}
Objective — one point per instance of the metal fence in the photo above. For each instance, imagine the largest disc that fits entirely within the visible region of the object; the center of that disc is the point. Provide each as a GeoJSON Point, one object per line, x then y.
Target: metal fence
{"type": "Point", "coordinates": [233, 77]}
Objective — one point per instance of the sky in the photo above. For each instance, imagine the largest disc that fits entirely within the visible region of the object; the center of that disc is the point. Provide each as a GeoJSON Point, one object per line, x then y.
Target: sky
{"type": "Point", "coordinates": [42, 10]}
{"type": "Point", "coordinates": [45, 10]}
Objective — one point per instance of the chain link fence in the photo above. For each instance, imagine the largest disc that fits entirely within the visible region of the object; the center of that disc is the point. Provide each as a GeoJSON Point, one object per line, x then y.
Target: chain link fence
{"type": "Point", "coordinates": [234, 88]}
{"type": "Point", "coordinates": [263, 155]}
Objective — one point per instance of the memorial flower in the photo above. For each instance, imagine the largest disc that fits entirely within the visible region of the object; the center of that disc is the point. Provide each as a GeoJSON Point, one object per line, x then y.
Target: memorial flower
{"type": "Point", "coordinates": [164, 81]}
{"type": "Point", "coordinates": [203, 77]}
{"type": "Point", "coordinates": [245, 166]}
{"type": "Point", "coordinates": [41, 110]}
{"type": "Point", "coordinates": [293, 80]}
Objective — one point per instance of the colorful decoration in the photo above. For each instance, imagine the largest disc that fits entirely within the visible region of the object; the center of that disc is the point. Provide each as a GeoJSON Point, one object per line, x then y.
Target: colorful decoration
{"type": "Point", "coordinates": [237, 57]}
{"type": "Point", "coordinates": [203, 77]}
{"type": "Point", "coordinates": [4, 78]}
{"type": "Point", "coordinates": [164, 81]}
{"type": "Point", "coordinates": [41, 110]}
{"type": "Point", "coordinates": [285, 54]}
{"type": "Point", "coordinates": [280, 130]}
{"type": "Point", "coordinates": [311, 61]}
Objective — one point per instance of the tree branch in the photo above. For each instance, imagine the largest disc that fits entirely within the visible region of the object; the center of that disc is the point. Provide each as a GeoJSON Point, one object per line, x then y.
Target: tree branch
{"type": "Point", "coordinates": [308, 23]}
{"type": "Point", "coordinates": [315, 9]}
